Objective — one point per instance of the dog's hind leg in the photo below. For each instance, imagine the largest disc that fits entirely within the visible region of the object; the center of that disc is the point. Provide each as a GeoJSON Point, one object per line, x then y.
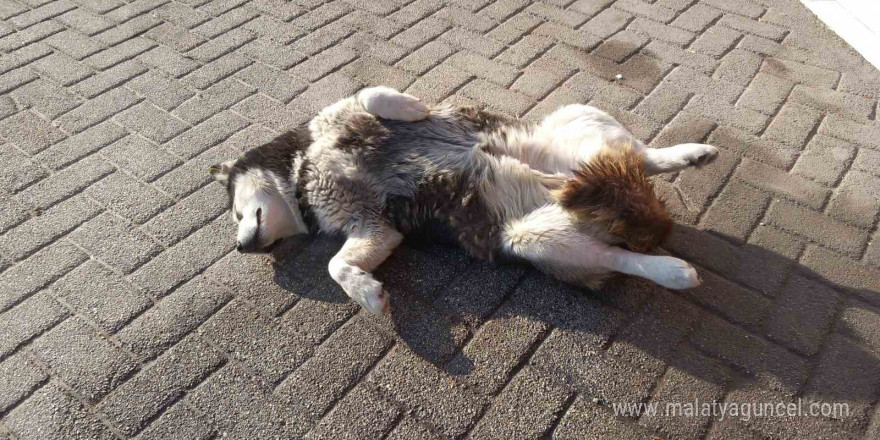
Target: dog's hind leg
{"type": "Point", "coordinates": [678, 157]}
{"type": "Point", "coordinates": [552, 240]}
{"type": "Point", "coordinates": [362, 252]}
{"type": "Point", "coordinates": [388, 103]}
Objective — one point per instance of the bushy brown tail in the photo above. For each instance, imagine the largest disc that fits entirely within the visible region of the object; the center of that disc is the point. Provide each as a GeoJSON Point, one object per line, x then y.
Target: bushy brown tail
{"type": "Point", "coordinates": [613, 192]}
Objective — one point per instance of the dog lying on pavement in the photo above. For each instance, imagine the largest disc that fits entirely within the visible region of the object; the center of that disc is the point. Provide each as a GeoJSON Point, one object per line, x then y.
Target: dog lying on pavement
{"type": "Point", "coordinates": [564, 194]}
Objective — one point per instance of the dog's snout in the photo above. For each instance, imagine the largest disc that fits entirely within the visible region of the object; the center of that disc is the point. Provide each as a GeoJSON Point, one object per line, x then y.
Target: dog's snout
{"type": "Point", "coordinates": [245, 246]}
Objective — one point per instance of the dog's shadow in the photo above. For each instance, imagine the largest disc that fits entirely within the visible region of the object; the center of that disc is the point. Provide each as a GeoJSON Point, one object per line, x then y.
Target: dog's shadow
{"type": "Point", "coordinates": [775, 329]}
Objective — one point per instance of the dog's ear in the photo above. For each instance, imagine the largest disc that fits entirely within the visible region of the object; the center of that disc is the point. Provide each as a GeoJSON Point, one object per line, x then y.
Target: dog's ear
{"type": "Point", "coordinates": [220, 172]}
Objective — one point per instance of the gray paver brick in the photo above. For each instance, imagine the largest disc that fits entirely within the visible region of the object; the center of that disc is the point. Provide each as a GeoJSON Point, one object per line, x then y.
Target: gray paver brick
{"type": "Point", "coordinates": [855, 200]}
{"type": "Point", "coordinates": [804, 310]}
{"type": "Point", "coordinates": [97, 110]}
{"type": "Point", "coordinates": [336, 365]}
{"type": "Point", "coordinates": [29, 132]}
{"type": "Point", "coordinates": [436, 396]}
{"type": "Point", "coordinates": [65, 183]}
{"type": "Point", "coordinates": [115, 242]}
{"type": "Point", "coordinates": [19, 171]}
{"type": "Point", "coordinates": [151, 122]}
{"type": "Point", "coordinates": [89, 364]}
{"type": "Point", "coordinates": [136, 401]}
{"type": "Point", "coordinates": [42, 230]}
{"type": "Point", "coordinates": [37, 271]}
{"type": "Point", "coordinates": [160, 327]}
{"type": "Point", "coordinates": [100, 295]}
{"type": "Point", "coordinates": [46, 97]}
{"type": "Point", "coordinates": [52, 414]}
{"type": "Point", "coordinates": [28, 319]}
{"type": "Point", "coordinates": [158, 89]}
{"type": "Point", "coordinates": [19, 377]}
{"type": "Point", "coordinates": [129, 197]}
{"type": "Point", "coordinates": [140, 157]}
{"type": "Point", "coordinates": [80, 145]}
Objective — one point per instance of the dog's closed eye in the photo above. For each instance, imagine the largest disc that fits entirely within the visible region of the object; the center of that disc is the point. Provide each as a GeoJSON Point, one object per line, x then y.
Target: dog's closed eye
{"type": "Point", "coordinates": [259, 215]}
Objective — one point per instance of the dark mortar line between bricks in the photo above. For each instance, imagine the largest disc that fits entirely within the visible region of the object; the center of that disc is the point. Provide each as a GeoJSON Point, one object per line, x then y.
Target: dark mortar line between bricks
{"type": "Point", "coordinates": [560, 414]}
{"type": "Point", "coordinates": [525, 359]}
{"type": "Point", "coordinates": [355, 383]}
{"type": "Point", "coordinates": [471, 332]}
{"type": "Point", "coordinates": [70, 391]}
{"type": "Point", "coordinates": [184, 391]}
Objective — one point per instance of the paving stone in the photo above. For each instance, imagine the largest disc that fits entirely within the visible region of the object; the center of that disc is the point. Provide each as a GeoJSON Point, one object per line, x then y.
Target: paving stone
{"type": "Point", "coordinates": [438, 83]}
{"type": "Point", "coordinates": [29, 319]}
{"type": "Point", "coordinates": [855, 200]}
{"type": "Point", "coordinates": [270, 113]}
{"type": "Point", "coordinates": [39, 231]}
{"type": "Point", "coordinates": [805, 222]}
{"type": "Point", "coordinates": [158, 89]}
{"type": "Point", "coordinates": [19, 171]}
{"type": "Point", "coordinates": [85, 21]}
{"type": "Point", "coordinates": [172, 318]}
{"type": "Point", "coordinates": [652, 338]}
{"type": "Point", "coordinates": [847, 373]}
{"type": "Point", "coordinates": [52, 414]}
{"type": "Point", "coordinates": [501, 344]}
{"type": "Point", "coordinates": [742, 306]}
{"type": "Point", "coordinates": [89, 364]}
{"type": "Point", "coordinates": [322, 380]}
{"type": "Point", "coordinates": [97, 110]}
{"type": "Point", "coordinates": [738, 66]}
{"type": "Point", "coordinates": [843, 272]}
{"type": "Point", "coordinates": [434, 396]}
{"type": "Point", "coordinates": [790, 186]}
{"type": "Point", "coordinates": [139, 399]}
{"type": "Point", "coordinates": [140, 157]}
{"type": "Point", "coordinates": [736, 210]}
{"type": "Point", "coordinates": [193, 174]}
{"type": "Point", "coordinates": [270, 350]}
{"type": "Point", "coordinates": [186, 259]}
{"type": "Point", "coordinates": [692, 380]}
{"type": "Point", "coordinates": [40, 269]}
{"type": "Point", "coordinates": [588, 420]}
{"type": "Point", "coordinates": [46, 98]}
{"type": "Point", "coordinates": [169, 61]}
{"type": "Point", "coordinates": [857, 322]}
{"type": "Point", "coordinates": [134, 200]}
{"type": "Point", "coordinates": [65, 183]}
{"type": "Point", "coordinates": [536, 402]}
{"type": "Point", "coordinates": [222, 400]}
{"type": "Point", "coordinates": [696, 18]}
{"type": "Point", "coordinates": [19, 377]}
{"type": "Point", "coordinates": [100, 295]}
{"type": "Point", "coordinates": [410, 429]}
{"type": "Point", "coordinates": [776, 368]}
{"type": "Point", "coordinates": [360, 414]}
{"type": "Point", "coordinates": [803, 314]}
{"type": "Point", "coordinates": [824, 160]}
{"type": "Point", "coordinates": [664, 102]}
{"type": "Point", "coordinates": [14, 212]}
{"type": "Point", "coordinates": [499, 73]}
{"type": "Point", "coordinates": [272, 82]}
{"type": "Point", "coordinates": [207, 134]}
{"type": "Point", "coordinates": [82, 144]}
{"type": "Point", "coordinates": [180, 420]}
{"type": "Point", "coordinates": [212, 100]}
{"type": "Point", "coordinates": [115, 242]}
{"type": "Point", "coordinates": [29, 132]}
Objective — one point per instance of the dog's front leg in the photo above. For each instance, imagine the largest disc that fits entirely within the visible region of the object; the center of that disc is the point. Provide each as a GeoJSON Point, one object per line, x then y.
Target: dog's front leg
{"type": "Point", "coordinates": [678, 157]}
{"type": "Point", "coordinates": [363, 251]}
{"type": "Point", "coordinates": [666, 271]}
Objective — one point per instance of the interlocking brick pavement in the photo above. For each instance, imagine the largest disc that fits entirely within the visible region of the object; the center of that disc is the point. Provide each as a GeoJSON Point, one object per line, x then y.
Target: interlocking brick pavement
{"type": "Point", "coordinates": [126, 313]}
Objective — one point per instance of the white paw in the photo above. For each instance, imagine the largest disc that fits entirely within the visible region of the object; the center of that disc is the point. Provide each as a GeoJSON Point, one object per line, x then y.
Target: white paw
{"type": "Point", "coordinates": [675, 274]}
{"type": "Point", "coordinates": [701, 154]}
{"type": "Point", "coordinates": [369, 294]}
{"type": "Point", "coordinates": [388, 103]}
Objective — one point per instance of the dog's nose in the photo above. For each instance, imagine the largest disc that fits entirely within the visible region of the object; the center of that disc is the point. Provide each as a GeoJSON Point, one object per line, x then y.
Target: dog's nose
{"type": "Point", "coordinates": [239, 247]}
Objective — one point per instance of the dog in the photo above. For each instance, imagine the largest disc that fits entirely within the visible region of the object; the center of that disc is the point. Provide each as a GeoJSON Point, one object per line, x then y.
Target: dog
{"type": "Point", "coordinates": [571, 194]}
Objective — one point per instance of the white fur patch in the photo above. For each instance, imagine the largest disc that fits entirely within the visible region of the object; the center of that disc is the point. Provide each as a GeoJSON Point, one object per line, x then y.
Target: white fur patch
{"type": "Point", "coordinates": [388, 103]}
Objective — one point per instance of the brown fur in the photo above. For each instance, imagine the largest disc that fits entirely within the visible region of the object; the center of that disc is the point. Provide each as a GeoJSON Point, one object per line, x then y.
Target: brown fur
{"type": "Point", "coordinates": [613, 192]}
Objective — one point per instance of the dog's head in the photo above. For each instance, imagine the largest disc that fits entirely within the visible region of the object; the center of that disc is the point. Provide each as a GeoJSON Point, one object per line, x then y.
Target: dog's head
{"type": "Point", "coordinates": [614, 192]}
{"type": "Point", "coordinates": [256, 183]}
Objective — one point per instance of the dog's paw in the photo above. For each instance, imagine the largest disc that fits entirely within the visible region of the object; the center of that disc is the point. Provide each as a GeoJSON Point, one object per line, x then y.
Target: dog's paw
{"type": "Point", "coordinates": [370, 295]}
{"type": "Point", "coordinates": [675, 274]}
{"type": "Point", "coordinates": [388, 103]}
{"type": "Point", "coordinates": [702, 155]}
